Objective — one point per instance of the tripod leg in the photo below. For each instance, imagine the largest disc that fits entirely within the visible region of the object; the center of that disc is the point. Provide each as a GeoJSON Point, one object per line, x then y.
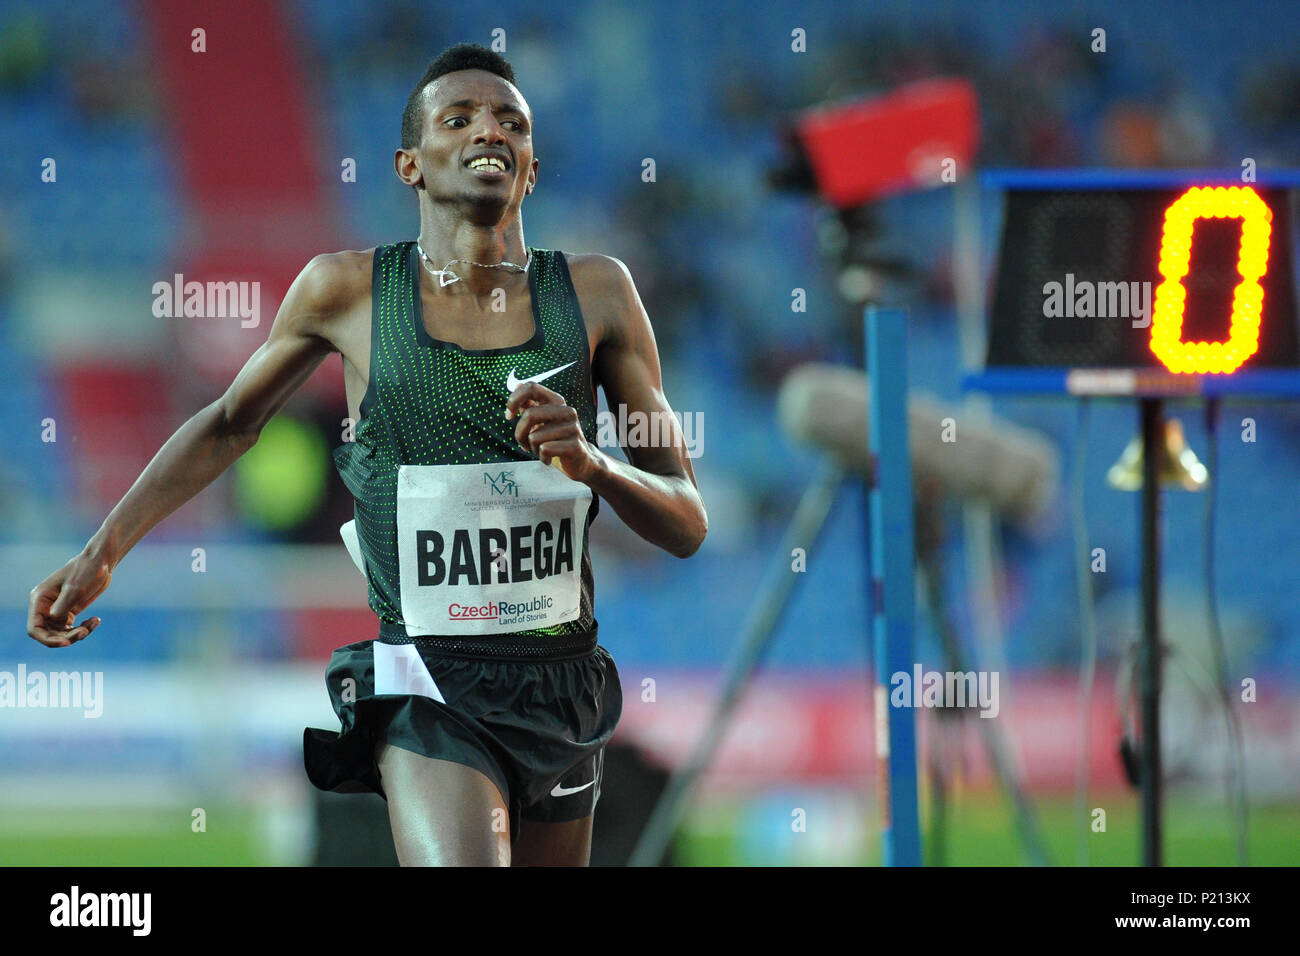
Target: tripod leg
{"type": "Point", "coordinates": [994, 742]}
{"type": "Point", "coordinates": [942, 750]}
{"type": "Point", "coordinates": [804, 531]}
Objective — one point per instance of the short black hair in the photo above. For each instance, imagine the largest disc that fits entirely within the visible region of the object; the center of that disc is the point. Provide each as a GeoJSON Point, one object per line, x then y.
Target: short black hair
{"type": "Point", "coordinates": [462, 56]}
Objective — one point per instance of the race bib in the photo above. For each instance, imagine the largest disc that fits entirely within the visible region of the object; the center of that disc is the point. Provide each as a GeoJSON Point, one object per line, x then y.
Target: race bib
{"type": "Point", "coordinates": [489, 549]}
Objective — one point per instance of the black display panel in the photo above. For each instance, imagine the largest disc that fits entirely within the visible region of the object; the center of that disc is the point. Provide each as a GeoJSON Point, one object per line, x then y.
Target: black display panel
{"type": "Point", "coordinates": [1077, 269]}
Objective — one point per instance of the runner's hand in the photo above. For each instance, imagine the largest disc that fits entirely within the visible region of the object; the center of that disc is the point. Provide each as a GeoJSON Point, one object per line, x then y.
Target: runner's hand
{"type": "Point", "coordinates": [548, 427]}
{"type": "Point", "coordinates": [56, 601]}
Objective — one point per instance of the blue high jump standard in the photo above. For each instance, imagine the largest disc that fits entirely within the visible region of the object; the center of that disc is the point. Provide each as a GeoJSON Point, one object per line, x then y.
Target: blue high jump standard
{"type": "Point", "coordinates": [892, 595]}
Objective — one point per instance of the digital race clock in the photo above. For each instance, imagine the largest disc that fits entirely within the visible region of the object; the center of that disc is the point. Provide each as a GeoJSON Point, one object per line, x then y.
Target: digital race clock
{"type": "Point", "coordinates": [1130, 282]}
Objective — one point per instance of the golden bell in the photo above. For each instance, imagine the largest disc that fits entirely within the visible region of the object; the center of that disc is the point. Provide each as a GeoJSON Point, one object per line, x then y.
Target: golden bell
{"type": "Point", "coordinates": [1179, 465]}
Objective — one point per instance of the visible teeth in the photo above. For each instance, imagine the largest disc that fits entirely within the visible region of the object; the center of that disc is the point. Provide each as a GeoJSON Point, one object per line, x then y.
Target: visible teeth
{"type": "Point", "coordinates": [488, 162]}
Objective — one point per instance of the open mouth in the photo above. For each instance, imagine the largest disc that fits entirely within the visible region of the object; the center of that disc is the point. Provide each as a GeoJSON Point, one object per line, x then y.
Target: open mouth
{"type": "Point", "coordinates": [488, 167]}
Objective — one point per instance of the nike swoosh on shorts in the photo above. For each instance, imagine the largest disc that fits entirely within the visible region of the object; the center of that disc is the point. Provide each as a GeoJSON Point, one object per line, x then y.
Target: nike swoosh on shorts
{"type": "Point", "coordinates": [558, 791]}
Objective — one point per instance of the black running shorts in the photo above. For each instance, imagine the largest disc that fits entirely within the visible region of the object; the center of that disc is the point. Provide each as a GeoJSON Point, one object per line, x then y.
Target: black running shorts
{"type": "Point", "coordinates": [534, 716]}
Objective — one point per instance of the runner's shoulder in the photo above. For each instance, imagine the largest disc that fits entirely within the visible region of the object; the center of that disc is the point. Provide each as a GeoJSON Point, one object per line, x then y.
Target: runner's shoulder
{"type": "Point", "coordinates": [333, 282]}
{"type": "Point", "coordinates": [597, 271]}
{"type": "Point", "coordinates": [604, 286]}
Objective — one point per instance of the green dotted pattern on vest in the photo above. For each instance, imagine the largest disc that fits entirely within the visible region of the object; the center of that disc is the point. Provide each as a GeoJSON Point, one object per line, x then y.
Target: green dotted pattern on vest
{"type": "Point", "coordinates": [432, 403]}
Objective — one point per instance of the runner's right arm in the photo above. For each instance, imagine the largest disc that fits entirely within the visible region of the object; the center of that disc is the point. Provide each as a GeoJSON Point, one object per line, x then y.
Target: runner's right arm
{"type": "Point", "coordinates": [202, 448]}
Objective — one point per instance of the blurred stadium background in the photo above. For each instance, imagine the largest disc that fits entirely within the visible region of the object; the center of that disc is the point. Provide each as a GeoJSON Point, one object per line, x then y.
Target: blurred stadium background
{"type": "Point", "coordinates": [230, 164]}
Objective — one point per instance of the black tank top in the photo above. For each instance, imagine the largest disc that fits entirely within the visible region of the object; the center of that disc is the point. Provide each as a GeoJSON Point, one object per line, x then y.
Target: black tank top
{"type": "Point", "coordinates": [430, 402]}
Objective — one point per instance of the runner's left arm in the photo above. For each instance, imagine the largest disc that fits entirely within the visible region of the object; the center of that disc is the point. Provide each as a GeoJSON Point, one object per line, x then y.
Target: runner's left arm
{"type": "Point", "coordinates": [654, 492]}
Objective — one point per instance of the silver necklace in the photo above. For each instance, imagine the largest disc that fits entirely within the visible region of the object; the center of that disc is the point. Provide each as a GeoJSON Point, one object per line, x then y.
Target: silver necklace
{"type": "Point", "coordinates": [445, 271]}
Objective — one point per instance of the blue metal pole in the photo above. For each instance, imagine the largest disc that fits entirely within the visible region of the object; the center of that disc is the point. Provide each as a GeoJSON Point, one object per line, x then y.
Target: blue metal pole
{"type": "Point", "coordinates": [893, 595]}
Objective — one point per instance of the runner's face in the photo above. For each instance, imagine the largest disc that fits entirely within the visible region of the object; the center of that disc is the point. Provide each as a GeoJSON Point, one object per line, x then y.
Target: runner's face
{"type": "Point", "coordinates": [471, 114]}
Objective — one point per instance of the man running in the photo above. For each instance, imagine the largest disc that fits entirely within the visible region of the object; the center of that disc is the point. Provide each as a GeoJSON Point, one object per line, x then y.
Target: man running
{"type": "Point", "coordinates": [482, 709]}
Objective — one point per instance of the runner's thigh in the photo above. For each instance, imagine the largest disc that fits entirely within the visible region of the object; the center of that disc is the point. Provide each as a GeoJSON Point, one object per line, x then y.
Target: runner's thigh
{"type": "Point", "coordinates": [442, 813]}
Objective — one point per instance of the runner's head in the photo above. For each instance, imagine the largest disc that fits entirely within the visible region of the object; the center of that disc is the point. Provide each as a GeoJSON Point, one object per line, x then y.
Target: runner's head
{"type": "Point", "coordinates": [466, 110]}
